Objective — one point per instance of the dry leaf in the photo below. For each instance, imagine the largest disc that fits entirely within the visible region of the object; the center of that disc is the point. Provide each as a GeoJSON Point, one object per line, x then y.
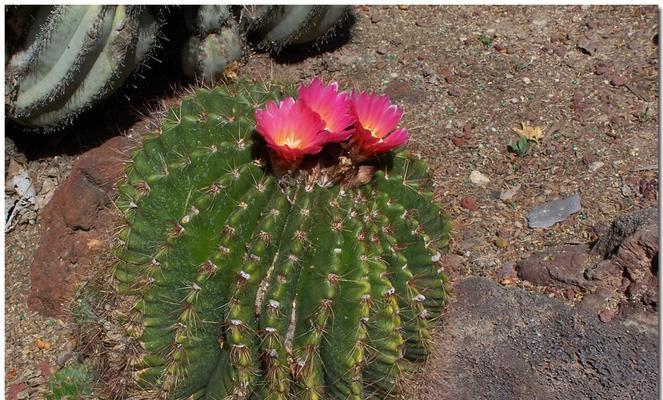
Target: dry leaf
{"type": "Point", "coordinates": [529, 132]}
{"type": "Point", "coordinates": [231, 70]}
{"type": "Point", "coordinates": [42, 344]}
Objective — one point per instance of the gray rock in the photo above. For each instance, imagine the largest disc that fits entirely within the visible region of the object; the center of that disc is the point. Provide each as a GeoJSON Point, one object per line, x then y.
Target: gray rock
{"type": "Point", "coordinates": [498, 343]}
{"type": "Point", "coordinates": [552, 212]}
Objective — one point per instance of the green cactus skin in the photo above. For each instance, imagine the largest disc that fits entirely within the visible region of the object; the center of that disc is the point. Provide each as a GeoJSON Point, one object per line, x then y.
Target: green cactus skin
{"type": "Point", "coordinates": [242, 287]}
{"type": "Point", "coordinates": [74, 56]}
{"type": "Point", "coordinates": [215, 42]}
{"type": "Point", "coordinates": [280, 26]}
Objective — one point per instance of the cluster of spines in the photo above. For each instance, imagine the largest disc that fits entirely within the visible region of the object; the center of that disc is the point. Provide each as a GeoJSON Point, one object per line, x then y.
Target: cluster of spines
{"type": "Point", "coordinates": [242, 290]}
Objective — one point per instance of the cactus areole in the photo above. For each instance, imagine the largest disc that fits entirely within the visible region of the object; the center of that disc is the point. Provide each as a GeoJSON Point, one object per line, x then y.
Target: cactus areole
{"type": "Point", "coordinates": [277, 248]}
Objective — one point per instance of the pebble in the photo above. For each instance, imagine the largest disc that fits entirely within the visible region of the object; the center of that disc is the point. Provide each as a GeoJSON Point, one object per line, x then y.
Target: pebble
{"type": "Point", "coordinates": [458, 141]}
{"type": "Point", "coordinates": [501, 243]}
{"type": "Point", "coordinates": [618, 80]}
{"type": "Point", "coordinates": [507, 270]}
{"type": "Point", "coordinates": [455, 91]}
{"type": "Point", "coordinates": [595, 166]}
{"type": "Point", "coordinates": [478, 178]}
{"type": "Point", "coordinates": [375, 18]}
{"type": "Point", "coordinates": [509, 194]}
{"type": "Point", "coordinates": [527, 80]}
{"type": "Point", "coordinates": [468, 203]}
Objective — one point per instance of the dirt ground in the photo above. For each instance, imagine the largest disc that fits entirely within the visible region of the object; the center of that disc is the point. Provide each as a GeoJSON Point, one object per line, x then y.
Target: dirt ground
{"type": "Point", "coordinates": [465, 76]}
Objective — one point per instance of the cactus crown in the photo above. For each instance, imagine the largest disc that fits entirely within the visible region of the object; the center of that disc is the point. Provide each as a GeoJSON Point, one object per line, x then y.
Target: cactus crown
{"type": "Point", "coordinates": [243, 284]}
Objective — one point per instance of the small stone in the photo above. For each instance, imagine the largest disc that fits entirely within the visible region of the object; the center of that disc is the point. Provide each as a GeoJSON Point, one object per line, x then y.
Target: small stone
{"type": "Point", "coordinates": [478, 178]}
{"type": "Point", "coordinates": [455, 91]}
{"type": "Point", "coordinates": [375, 17]}
{"type": "Point", "coordinates": [501, 243]}
{"type": "Point", "coordinates": [507, 195]}
{"type": "Point", "coordinates": [467, 130]}
{"type": "Point", "coordinates": [569, 293]}
{"type": "Point", "coordinates": [381, 50]}
{"type": "Point", "coordinates": [468, 203]}
{"type": "Point", "coordinates": [501, 47]}
{"type": "Point", "coordinates": [447, 74]}
{"type": "Point", "coordinates": [618, 80]}
{"type": "Point", "coordinates": [527, 80]}
{"type": "Point", "coordinates": [606, 315]}
{"type": "Point", "coordinates": [593, 167]}
{"type": "Point", "coordinates": [458, 141]}
{"type": "Point", "coordinates": [507, 270]}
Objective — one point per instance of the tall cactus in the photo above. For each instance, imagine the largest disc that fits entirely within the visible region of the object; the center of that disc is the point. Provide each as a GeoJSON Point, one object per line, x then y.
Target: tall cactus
{"type": "Point", "coordinates": [73, 56]}
{"type": "Point", "coordinates": [64, 59]}
{"type": "Point", "coordinates": [241, 284]}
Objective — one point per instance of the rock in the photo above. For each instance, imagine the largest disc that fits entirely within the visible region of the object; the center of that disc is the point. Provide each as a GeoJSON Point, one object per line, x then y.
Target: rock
{"type": "Point", "coordinates": [79, 213]}
{"type": "Point", "coordinates": [468, 203]}
{"type": "Point", "coordinates": [622, 228]}
{"type": "Point", "coordinates": [507, 271]}
{"type": "Point", "coordinates": [618, 80]}
{"type": "Point", "coordinates": [595, 166]}
{"type": "Point", "coordinates": [586, 46]}
{"type": "Point", "coordinates": [478, 178]}
{"type": "Point", "coordinates": [458, 141]}
{"type": "Point", "coordinates": [455, 91]}
{"type": "Point", "coordinates": [550, 213]}
{"type": "Point", "coordinates": [375, 17]}
{"type": "Point", "coordinates": [507, 195]}
{"type": "Point", "coordinates": [560, 266]}
{"type": "Point", "coordinates": [506, 343]}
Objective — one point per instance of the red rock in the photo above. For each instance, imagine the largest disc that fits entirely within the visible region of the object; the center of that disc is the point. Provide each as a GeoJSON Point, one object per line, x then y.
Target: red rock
{"type": "Point", "coordinates": [14, 389]}
{"type": "Point", "coordinates": [468, 203]}
{"type": "Point", "coordinates": [45, 369]}
{"type": "Point", "coordinates": [458, 141]}
{"type": "Point", "coordinates": [79, 213]}
{"type": "Point", "coordinates": [467, 130]}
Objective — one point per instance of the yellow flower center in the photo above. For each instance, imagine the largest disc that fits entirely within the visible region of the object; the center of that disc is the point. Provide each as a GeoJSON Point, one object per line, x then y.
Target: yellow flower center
{"type": "Point", "coordinates": [290, 140]}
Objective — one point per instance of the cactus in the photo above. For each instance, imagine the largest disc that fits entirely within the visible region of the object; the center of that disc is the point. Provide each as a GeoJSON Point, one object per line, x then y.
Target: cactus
{"type": "Point", "coordinates": [279, 26]}
{"type": "Point", "coordinates": [234, 283]}
{"type": "Point", "coordinates": [71, 57]}
{"type": "Point", "coordinates": [214, 44]}
{"type": "Point", "coordinates": [74, 56]}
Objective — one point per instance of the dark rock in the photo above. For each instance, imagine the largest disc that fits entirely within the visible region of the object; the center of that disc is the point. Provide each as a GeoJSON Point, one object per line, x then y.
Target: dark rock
{"type": "Point", "coordinates": [560, 266]}
{"type": "Point", "coordinates": [506, 343]}
{"type": "Point", "coordinates": [75, 226]}
{"type": "Point", "coordinates": [375, 17]}
{"type": "Point", "coordinates": [623, 227]}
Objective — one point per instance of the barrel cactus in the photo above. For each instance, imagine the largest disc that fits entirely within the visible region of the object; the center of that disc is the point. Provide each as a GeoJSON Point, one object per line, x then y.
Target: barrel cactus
{"type": "Point", "coordinates": [275, 254]}
{"type": "Point", "coordinates": [64, 59]}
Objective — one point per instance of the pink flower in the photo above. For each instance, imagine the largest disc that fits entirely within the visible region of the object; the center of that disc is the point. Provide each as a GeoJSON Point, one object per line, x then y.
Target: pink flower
{"type": "Point", "coordinates": [376, 121]}
{"type": "Point", "coordinates": [332, 107]}
{"type": "Point", "coordinates": [291, 129]}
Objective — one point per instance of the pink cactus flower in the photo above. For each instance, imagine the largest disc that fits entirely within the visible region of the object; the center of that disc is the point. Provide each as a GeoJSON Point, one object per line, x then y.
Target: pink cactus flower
{"type": "Point", "coordinates": [332, 107]}
{"type": "Point", "coordinates": [291, 129]}
{"type": "Point", "coordinates": [376, 121]}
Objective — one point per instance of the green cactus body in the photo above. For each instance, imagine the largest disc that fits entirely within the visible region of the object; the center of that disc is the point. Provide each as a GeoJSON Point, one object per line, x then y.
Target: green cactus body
{"type": "Point", "coordinates": [215, 42]}
{"type": "Point", "coordinates": [279, 26]}
{"type": "Point", "coordinates": [74, 56]}
{"type": "Point", "coordinates": [243, 286]}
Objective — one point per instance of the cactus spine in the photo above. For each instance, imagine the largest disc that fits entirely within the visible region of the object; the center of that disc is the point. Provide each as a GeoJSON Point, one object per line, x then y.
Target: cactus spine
{"type": "Point", "coordinates": [242, 285]}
